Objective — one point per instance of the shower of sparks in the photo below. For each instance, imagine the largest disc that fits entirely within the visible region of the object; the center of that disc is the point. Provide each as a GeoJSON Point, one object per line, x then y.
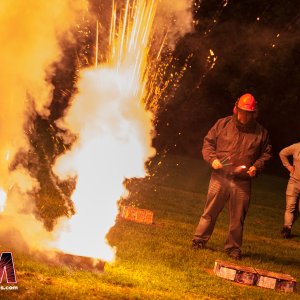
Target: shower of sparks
{"type": "Point", "coordinates": [211, 60]}
{"type": "Point", "coordinates": [129, 39]}
{"type": "Point", "coordinates": [114, 95]}
{"type": "Point", "coordinates": [131, 46]}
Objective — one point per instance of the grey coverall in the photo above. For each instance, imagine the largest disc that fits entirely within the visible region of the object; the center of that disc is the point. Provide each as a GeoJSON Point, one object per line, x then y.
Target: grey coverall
{"type": "Point", "coordinates": [239, 145]}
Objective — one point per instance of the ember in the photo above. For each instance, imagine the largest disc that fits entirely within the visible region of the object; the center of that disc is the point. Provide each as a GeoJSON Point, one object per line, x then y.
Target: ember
{"type": "Point", "coordinates": [239, 169]}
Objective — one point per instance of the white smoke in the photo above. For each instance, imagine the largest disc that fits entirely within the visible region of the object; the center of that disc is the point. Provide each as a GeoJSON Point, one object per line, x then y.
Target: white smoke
{"type": "Point", "coordinates": [30, 35]}
{"type": "Point", "coordinates": [176, 17]}
{"type": "Point", "coordinates": [114, 143]}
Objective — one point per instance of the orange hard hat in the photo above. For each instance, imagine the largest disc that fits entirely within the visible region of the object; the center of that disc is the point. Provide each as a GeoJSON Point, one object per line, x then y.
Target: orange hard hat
{"type": "Point", "coordinates": [247, 102]}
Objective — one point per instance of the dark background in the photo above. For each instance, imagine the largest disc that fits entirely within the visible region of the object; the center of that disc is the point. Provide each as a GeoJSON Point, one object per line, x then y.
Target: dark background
{"type": "Point", "coordinates": [257, 44]}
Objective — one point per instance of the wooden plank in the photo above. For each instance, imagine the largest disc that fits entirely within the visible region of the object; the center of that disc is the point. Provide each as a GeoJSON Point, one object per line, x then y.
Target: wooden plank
{"type": "Point", "coordinates": [280, 276]}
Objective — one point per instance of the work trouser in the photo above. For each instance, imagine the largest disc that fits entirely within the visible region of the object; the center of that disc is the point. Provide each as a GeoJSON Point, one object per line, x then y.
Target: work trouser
{"type": "Point", "coordinates": [237, 193]}
{"type": "Point", "coordinates": [292, 208]}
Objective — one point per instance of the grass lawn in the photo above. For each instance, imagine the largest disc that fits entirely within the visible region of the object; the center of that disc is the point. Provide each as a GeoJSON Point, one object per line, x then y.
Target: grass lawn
{"type": "Point", "coordinates": [156, 261]}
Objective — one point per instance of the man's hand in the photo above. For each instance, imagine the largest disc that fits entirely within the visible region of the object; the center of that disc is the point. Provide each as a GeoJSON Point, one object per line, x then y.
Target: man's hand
{"type": "Point", "coordinates": [216, 164]}
{"type": "Point", "coordinates": [291, 169]}
{"type": "Point", "coordinates": [252, 171]}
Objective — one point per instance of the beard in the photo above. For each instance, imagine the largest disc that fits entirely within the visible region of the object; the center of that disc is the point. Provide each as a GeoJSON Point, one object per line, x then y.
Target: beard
{"type": "Point", "coordinates": [247, 127]}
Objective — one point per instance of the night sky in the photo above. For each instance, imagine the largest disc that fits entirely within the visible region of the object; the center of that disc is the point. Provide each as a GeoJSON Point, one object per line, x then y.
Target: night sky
{"type": "Point", "coordinates": [257, 45]}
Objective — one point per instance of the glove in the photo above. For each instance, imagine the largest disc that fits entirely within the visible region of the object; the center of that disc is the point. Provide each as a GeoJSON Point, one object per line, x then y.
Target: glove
{"type": "Point", "coordinates": [252, 171]}
{"type": "Point", "coordinates": [216, 164]}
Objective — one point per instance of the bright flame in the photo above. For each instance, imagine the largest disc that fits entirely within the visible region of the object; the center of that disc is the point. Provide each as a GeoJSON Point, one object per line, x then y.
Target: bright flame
{"type": "Point", "coordinates": [31, 35]}
{"type": "Point", "coordinates": [7, 156]}
{"type": "Point", "coordinates": [114, 131]}
{"type": "Point", "coordinates": [2, 200]}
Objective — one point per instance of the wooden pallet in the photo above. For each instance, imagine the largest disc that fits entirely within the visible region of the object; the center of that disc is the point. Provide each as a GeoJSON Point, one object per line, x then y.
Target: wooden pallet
{"type": "Point", "coordinates": [254, 277]}
{"type": "Point", "coordinates": [136, 214]}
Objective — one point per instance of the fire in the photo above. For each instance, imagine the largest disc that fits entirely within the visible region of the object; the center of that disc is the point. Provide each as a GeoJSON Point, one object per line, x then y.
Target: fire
{"type": "Point", "coordinates": [7, 156]}
{"type": "Point", "coordinates": [4, 162]}
{"type": "Point", "coordinates": [2, 200]}
{"type": "Point", "coordinates": [114, 132]}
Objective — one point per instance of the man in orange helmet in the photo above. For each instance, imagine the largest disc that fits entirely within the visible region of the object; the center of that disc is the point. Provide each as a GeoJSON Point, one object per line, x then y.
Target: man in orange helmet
{"type": "Point", "coordinates": [237, 148]}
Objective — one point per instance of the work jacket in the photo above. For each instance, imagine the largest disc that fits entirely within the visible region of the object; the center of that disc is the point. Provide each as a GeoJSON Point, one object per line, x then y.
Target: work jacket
{"type": "Point", "coordinates": [237, 146]}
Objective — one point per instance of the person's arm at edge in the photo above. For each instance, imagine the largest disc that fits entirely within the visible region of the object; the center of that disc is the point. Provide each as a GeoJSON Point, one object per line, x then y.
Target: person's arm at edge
{"type": "Point", "coordinates": [284, 153]}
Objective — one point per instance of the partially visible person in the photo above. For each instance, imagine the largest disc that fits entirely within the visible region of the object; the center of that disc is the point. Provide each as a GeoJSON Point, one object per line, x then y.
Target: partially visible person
{"type": "Point", "coordinates": [237, 148]}
{"type": "Point", "coordinates": [292, 208]}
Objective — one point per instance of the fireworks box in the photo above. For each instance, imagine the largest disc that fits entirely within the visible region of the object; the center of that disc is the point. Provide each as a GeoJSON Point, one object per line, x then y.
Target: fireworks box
{"type": "Point", "coordinates": [278, 281]}
{"type": "Point", "coordinates": [136, 214]}
{"type": "Point", "coordinates": [240, 274]}
{"type": "Point", "coordinates": [254, 277]}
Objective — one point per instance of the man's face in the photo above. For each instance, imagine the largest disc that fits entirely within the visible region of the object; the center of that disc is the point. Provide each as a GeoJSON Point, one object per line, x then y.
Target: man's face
{"type": "Point", "coordinates": [245, 116]}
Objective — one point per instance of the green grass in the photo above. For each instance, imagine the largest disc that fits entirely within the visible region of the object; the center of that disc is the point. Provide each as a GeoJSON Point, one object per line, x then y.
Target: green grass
{"type": "Point", "coordinates": [157, 262]}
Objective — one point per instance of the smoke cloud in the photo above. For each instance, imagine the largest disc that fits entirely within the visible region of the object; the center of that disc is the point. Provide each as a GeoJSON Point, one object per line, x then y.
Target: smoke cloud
{"type": "Point", "coordinates": [30, 36]}
{"type": "Point", "coordinates": [176, 17]}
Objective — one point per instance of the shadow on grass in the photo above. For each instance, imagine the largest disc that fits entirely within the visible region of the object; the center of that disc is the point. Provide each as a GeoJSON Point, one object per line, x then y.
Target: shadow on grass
{"type": "Point", "coordinates": [293, 236]}
{"type": "Point", "coordinates": [204, 248]}
{"type": "Point", "coordinates": [266, 257]}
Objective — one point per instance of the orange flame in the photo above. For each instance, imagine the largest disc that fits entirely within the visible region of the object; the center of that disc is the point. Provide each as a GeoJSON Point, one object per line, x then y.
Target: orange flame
{"type": "Point", "coordinates": [114, 131]}
{"type": "Point", "coordinates": [2, 200]}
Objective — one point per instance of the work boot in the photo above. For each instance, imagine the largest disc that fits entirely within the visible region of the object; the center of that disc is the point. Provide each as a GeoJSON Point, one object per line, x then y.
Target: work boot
{"type": "Point", "coordinates": [235, 254]}
{"type": "Point", "coordinates": [197, 244]}
{"type": "Point", "coordinates": [286, 232]}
